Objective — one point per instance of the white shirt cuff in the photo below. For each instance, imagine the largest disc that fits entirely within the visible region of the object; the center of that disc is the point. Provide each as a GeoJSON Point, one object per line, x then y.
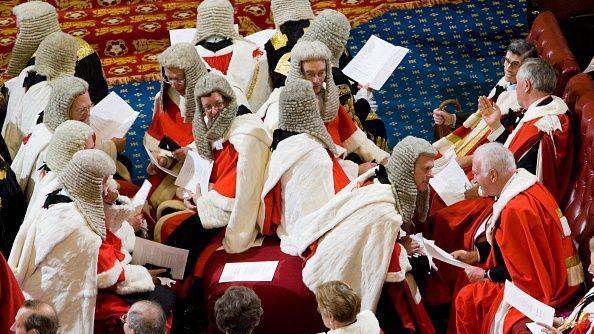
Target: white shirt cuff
{"type": "Point", "coordinates": [495, 134]}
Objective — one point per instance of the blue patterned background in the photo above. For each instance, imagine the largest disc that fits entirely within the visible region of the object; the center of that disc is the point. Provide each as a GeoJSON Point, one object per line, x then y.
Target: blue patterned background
{"type": "Point", "coordinates": [455, 52]}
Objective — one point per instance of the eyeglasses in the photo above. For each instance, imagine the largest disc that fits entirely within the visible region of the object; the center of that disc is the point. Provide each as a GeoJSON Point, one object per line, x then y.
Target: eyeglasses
{"type": "Point", "coordinates": [514, 64]}
{"type": "Point", "coordinates": [312, 75]}
{"type": "Point", "coordinates": [179, 81]}
{"type": "Point", "coordinates": [85, 110]}
{"type": "Point", "coordinates": [216, 106]}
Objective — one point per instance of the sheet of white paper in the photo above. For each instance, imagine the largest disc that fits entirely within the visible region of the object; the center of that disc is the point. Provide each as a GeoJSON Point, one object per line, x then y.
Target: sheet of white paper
{"type": "Point", "coordinates": [439, 254]}
{"type": "Point", "coordinates": [375, 62]}
{"type": "Point", "coordinates": [112, 117]}
{"type": "Point", "coordinates": [534, 328]}
{"type": "Point", "coordinates": [181, 35]}
{"type": "Point", "coordinates": [146, 251]}
{"type": "Point", "coordinates": [261, 37]}
{"type": "Point", "coordinates": [154, 161]}
{"type": "Point", "coordinates": [141, 195]}
{"type": "Point", "coordinates": [528, 305]}
{"type": "Point", "coordinates": [248, 272]}
{"type": "Point", "coordinates": [195, 170]}
{"type": "Point", "coordinates": [450, 183]}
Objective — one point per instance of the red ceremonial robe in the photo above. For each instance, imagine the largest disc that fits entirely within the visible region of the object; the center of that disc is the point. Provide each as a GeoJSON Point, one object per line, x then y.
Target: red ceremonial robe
{"type": "Point", "coordinates": [538, 252]}
{"type": "Point", "coordinates": [167, 121]}
{"type": "Point", "coordinates": [454, 227]}
{"type": "Point", "coordinates": [341, 127]}
{"type": "Point", "coordinates": [11, 297]}
{"type": "Point", "coordinates": [223, 179]}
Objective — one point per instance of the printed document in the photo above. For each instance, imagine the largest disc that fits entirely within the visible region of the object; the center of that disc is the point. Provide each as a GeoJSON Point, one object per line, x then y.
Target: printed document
{"type": "Point", "coordinates": [195, 171]}
{"type": "Point", "coordinates": [141, 196]}
{"type": "Point", "coordinates": [375, 62]}
{"type": "Point", "coordinates": [112, 117]}
{"type": "Point", "coordinates": [450, 182]}
{"type": "Point", "coordinates": [147, 251]}
{"type": "Point", "coordinates": [249, 272]}
{"type": "Point", "coordinates": [528, 305]}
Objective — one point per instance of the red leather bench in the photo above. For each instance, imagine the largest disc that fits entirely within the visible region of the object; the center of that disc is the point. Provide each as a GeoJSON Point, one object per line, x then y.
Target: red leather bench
{"type": "Point", "coordinates": [552, 47]}
{"type": "Point", "coordinates": [578, 206]}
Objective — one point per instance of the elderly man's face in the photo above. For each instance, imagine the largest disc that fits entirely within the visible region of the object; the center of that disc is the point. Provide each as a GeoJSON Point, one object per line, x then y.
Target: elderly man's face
{"type": "Point", "coordinates": [511, 65]}
{"type": "Point", "coordinates": [212, 105]}
{"type": "Point", "coordinates": [485, 178]}
{"type": "Point", "coordinates": [314, 71]}
{"type": "Point", "coordinates": [80, 110]}
{"type": "Point", "coordinates": [177, 79]}
{"type": "Point", "coordinates": [19, 321]}
{"type": "Point", "coordinates": [423, 171]}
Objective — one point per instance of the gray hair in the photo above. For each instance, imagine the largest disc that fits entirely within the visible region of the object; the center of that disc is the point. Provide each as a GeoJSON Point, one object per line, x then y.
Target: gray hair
{"type": "Point", "coordinates": [146, 318]}
{"type": "Point", "coordinates": [539, 73]}
{"type": "Point", "coordinates": [523, 48]}
{"type": "Point", "coordinates": [496, 156]}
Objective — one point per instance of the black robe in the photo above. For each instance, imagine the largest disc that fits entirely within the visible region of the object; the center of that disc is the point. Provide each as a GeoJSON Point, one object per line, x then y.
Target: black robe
{"type": "Point", "coordinates": [278, 50]}
{"type": "Point", "coordinates": [13, 205]}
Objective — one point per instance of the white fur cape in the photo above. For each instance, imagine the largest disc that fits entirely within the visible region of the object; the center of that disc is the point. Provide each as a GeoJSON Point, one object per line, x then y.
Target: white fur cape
{"type": "Point", "coordinates": [62, 267]}
{"type": "Point", "coordinates": [32, 104]}
{"type": "Point", "coordinates": [356, 232]}
{"type": "Point", "coordinates": [30, 157]}
{"type": "Point", "coordinates": [10, 128]}
{"type": "Point", "coordinates": [248, 68]}
{"type": "Point", "coordinates": [240, 214]}
{"type": "Point", "coordinates": [23, 247]}
{"type": "Point", "coordinates": [304, 169]}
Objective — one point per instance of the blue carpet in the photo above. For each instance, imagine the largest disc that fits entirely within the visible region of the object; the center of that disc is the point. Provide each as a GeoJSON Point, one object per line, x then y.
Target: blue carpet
{"type": "Point", "coordinates": [455, 52]}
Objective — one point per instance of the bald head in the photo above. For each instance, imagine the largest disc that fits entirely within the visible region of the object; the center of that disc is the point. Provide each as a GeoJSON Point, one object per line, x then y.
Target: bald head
{"type": "Point", "coordinates": [36, 317]}
{"type": "Point", "coordinates": [145, 317]}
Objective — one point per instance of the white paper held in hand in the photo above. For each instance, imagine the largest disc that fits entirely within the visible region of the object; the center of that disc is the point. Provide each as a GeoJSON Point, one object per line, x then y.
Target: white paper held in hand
{"type": "Point", "coordinates": [112, 117]}
{"type": "Point", "coordinates": [195, 171]}
{"type": "Point", "coordinates": [156, 163]}
{"type": "Point", "coordinates": [437, 253]}
{"type": "Point", "coordinates": [146, 251]}
{"type": "Point", "coordinates": [528, 305]}
{"type": "Point", "coordinates": [375, 62]}
{"type": "Point", "coordinates": [141, 195]}
{"type": "Point", "coordinates": [249, 272]}
{"type": "Point", "coordinates": [182, 35]}
{"type": "Point", "coordinates": [450, 182]}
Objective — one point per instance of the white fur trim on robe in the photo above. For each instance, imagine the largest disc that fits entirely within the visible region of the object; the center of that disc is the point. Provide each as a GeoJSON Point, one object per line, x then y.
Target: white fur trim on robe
{"type": "Point", "coordinates": [33, 103]}
{"type": "Point", "coordinates": [356, 232]}
{"type": "Point", "coordinates": [304, 169]}
{"type": "Point", "coordinates": [22, 246]}
{"type": "Point", "coordinates": [361, 145]}
{"type": "Point", "coordinates": [366, 323]}
{"type": "Point", "coordinates": [269, 112]}
{"type": "Point", "coordinates": [127, 236]}
{"type": "Point", "coordinates": [252, 143]}
{"type": "Point", "coordinates": [548, 123]}
{"type": "Point", "coordinates": [30, 157]}
{"type": "Point", "coordinates": [62, 269]}
{"type": "Point", "coordinates": [10, 128]}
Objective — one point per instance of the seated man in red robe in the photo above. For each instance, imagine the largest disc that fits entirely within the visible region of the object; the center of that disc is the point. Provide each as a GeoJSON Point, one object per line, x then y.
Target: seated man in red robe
{"type": "Point", "coordinates": [11, 296]}
{"type": "Point", "coordinates": [472, 130]}
{"type": "Point", "coordinates": [357, 237]}
{"type": "Point", "coordinates": [312, 61]}
{"type": "Point", "coordinates": [333, 29]}
{"type": "Point", "coordinates": [170, 131]}
{"type": "Point", "coordinates": [222, 48]}
{"type": "Point", "coordinates": [302, 173]}
{"type": "Point", "coordinates": [541, 143]}
{"type": "Point", "coordinates": [531, 246]}
{"type": "Point", "coordinates": [238, 145]}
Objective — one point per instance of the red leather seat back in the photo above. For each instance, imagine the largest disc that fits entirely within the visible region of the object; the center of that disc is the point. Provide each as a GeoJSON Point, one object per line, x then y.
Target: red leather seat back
{"type": "Point", "coordinates": [552, 47]}
{"type": "Point", "coordinates": [578, 207]}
